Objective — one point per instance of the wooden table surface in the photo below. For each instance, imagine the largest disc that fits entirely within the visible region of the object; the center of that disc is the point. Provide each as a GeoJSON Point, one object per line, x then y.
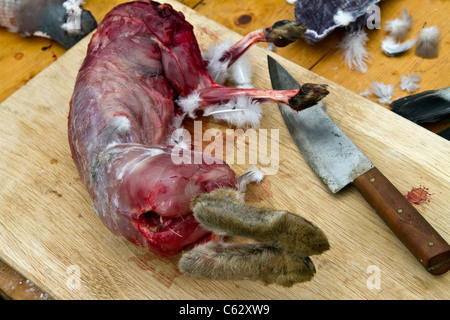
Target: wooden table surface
{"type": "Point", "coordinates": [23, 58]}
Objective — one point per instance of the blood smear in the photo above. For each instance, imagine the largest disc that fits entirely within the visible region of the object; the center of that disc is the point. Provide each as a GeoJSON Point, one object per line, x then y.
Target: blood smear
{"type": "Point", "coordinates": [418, 195]}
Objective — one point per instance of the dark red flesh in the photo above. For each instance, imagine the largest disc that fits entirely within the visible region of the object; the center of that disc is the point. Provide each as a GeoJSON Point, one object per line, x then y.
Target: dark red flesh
{"type": "Point", "coordinates": [144, 56]}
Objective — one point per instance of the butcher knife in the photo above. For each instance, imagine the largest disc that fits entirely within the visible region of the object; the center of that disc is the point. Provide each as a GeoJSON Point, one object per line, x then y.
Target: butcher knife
{"type": "Point", "coordinates": [338, 162]}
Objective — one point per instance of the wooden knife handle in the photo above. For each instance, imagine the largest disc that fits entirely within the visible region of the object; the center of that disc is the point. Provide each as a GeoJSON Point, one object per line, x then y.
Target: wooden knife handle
{"type": "Point", "coordinates": [406, 222]}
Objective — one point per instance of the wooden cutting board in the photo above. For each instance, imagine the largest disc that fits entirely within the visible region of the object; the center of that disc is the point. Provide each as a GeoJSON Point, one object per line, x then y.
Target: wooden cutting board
{"type": "Point", "coordinates": [50, 233]}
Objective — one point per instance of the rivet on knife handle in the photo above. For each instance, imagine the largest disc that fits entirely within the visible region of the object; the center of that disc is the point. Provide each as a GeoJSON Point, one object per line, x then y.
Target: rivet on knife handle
{"type": "Point", "coordinates": [405, 221]}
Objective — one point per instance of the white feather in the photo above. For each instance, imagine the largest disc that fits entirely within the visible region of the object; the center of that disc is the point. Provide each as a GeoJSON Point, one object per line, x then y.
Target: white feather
{"type": "Point", "coordinates": [177, 122]}
{"type": "Point", "coordinates": [399, 27]}
{"type": "Point", "coordinates": [117, 128]}
{"type": "Point", "coordinates": [428, 43]}
{"type": "Point", "coordinates": [354, 50]}
{"type": "Point", "coordinates": [409, 83]}
{"type": "Point", "coordinates": [343, 18]}
{"type": "Point", "coordinates": [74, 11]}
{"type": "Point", "coordinates": [253, 175]}
{"type": "Point", "coordinates": [122, 124]}
{"type": "Point", "coordinates": [41, 34]}
{"type": "Point", "coordinates": [241, 72]}
{"type": "Point", "coordinates": [218, 70]}
{"type": "Point", "coordinates": [177, 138]}
{"type": "Point", "coordinates": [392, 48]}
{"type": "Point", "coordinates": [383, 92]}
{"type": "Point", "coordinates": [190, 104]}
{"type": "Point", "coordinates": [240, 112]}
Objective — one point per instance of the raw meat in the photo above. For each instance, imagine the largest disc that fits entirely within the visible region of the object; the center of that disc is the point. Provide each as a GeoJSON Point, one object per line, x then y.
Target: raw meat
{"type": "Point", "coordinates": [144, 57]}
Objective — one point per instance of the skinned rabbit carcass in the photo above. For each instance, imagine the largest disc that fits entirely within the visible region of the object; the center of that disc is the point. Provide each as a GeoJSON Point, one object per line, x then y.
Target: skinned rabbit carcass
{"type": "Point", "coordinates": [142, 75]}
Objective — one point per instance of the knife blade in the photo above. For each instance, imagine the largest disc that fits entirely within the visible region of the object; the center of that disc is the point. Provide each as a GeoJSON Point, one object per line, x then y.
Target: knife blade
{"type": "Point", "coordinates": [338, 162]}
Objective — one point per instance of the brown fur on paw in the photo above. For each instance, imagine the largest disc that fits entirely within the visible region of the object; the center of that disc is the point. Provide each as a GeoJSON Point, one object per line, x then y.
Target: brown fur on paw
{"type": "Point", "coordinates": [258, 262]}
{"type": "Point", "coordinates": [222, 212]}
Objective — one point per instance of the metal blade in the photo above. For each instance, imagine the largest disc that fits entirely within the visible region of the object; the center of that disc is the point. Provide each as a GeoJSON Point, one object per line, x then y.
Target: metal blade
{"type": "Point", "coordinates": [325, 147]}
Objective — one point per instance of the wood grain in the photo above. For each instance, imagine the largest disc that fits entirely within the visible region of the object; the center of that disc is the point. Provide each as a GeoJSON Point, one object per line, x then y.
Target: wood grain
{"type": "Point", "coordinates": [49, 225]}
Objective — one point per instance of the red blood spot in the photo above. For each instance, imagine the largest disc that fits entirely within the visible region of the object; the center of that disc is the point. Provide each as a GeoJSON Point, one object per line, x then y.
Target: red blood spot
{"type": "Point", "coordinates": [418, 195]}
